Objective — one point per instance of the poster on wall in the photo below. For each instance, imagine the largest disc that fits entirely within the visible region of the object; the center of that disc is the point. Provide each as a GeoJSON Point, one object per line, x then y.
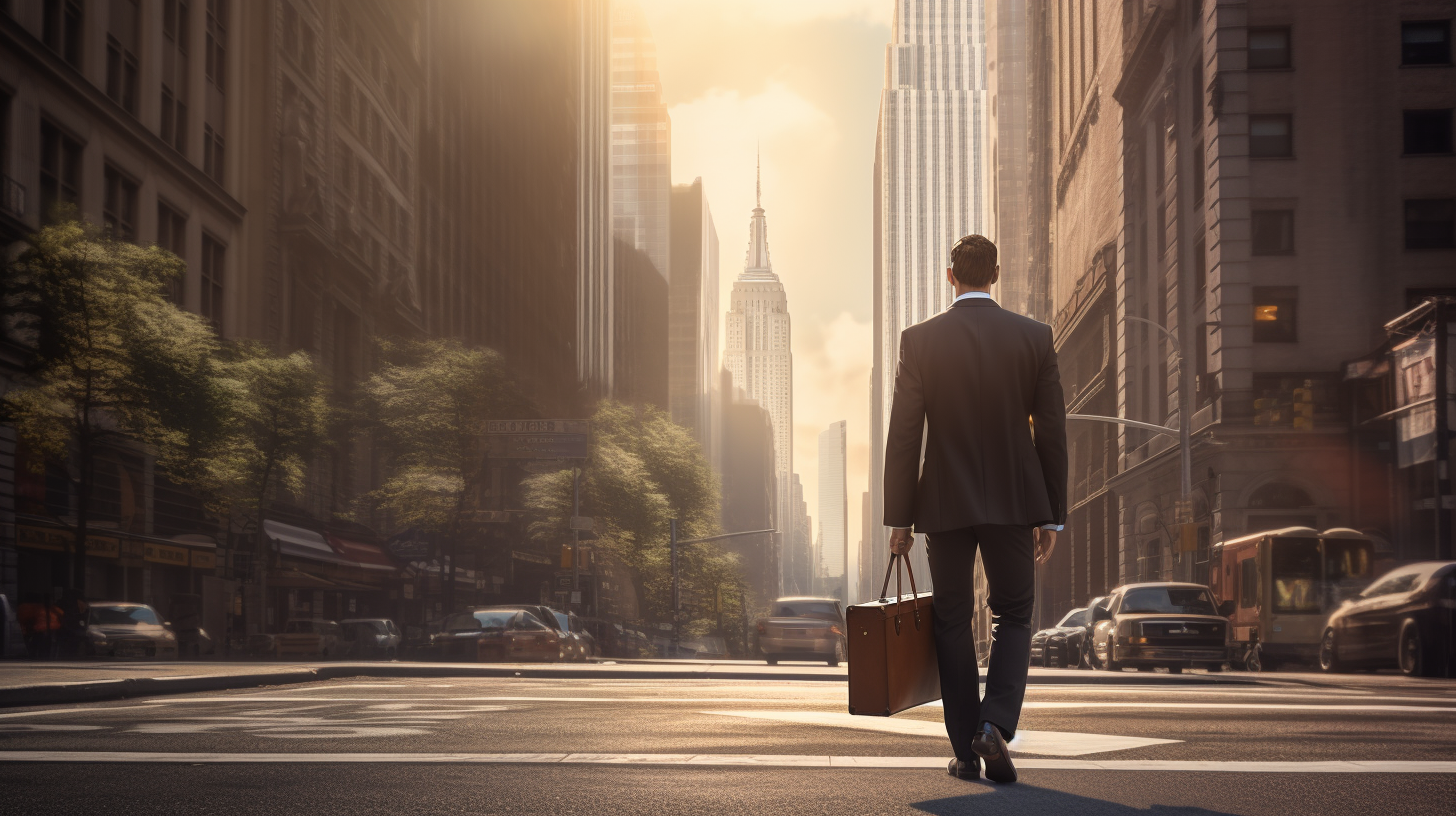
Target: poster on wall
{"type": "Point", "coordinates": [1415, 387]}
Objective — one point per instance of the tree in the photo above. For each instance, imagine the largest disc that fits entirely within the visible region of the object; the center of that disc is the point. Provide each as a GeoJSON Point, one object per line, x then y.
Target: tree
{"type": "Point", "coordinates": [112, 361]}
{"type": "Point", "coordinates": [644, 471]}
{"type": "Point", "coordinates": [428, 406]}
{"type": "Point", "coordinates": [274, 419]}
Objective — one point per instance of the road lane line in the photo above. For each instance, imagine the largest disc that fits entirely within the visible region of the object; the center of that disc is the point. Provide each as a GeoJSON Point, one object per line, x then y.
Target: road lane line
{"type": "Point", "coordinates": [725, 760]}
{"type": "Point", "coordinates": [1042, 743]}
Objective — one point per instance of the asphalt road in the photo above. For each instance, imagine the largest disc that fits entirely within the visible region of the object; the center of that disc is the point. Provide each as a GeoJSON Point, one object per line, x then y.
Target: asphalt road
{"type": "Point", "coordinates": [579, 746]}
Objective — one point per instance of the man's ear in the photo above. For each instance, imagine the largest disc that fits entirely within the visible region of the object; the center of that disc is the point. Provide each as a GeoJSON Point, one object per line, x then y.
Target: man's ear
{"type": "Point", "coordinates": [950, 275]}
{"type": "Point", "coordinates": [996, 273]}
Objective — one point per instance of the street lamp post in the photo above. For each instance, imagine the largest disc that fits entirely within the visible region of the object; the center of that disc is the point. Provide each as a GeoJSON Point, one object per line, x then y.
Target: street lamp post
{"type": "Point", "coordinates": [676, 583]}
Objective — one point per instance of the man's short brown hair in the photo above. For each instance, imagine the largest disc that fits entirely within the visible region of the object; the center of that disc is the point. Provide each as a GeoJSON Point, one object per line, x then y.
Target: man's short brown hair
{"type": "Point", "coordinates": [973, 261]}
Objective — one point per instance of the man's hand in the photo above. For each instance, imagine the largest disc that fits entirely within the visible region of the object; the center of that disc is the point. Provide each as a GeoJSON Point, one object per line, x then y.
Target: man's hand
{"type": "Point", "coordinates": [1045, 541]}
{"type": "Point", "coordinates": [901, 540]}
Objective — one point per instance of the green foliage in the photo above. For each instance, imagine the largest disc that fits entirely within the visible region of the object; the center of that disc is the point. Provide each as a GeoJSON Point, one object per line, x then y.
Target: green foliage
{"type": "Point", "coordinates": [428, 406]}
{"type": "Point", "coordinates": [274, 420]}
{"type": "Point", "coordinates": [644, 470]}
{"type": "Point", "coordinates": [112, 357]}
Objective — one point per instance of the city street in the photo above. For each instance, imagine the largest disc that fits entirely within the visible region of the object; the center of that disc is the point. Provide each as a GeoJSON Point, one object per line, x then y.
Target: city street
{"type": "Point", "coordinates": [557, 746]}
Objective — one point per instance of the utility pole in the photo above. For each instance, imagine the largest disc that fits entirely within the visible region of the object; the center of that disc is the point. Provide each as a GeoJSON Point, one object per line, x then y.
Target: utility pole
{"type": "Point", "coordinates": [576, 540]}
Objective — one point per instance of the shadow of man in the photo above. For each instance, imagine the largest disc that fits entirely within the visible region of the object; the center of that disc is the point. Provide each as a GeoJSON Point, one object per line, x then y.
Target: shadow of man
{"type": "Point", "coordinates": [986, 799]}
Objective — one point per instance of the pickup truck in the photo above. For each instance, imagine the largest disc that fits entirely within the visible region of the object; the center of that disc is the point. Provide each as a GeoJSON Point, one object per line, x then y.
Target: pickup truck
{"type": "Point", "coordinates": [803, 629]}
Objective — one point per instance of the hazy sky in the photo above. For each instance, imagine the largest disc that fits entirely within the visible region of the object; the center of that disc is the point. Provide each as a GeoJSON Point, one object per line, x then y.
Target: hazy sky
{"type": "Point", "coordinates": [802, 78]}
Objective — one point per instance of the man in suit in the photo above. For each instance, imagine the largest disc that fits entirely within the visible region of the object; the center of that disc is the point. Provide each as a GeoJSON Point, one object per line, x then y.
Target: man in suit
{"type": "Point", "coordinates": [993, 478]}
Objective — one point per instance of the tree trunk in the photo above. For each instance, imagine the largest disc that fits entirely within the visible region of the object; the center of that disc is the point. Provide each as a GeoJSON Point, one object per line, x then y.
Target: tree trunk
{"type": "Point", "coordinates": [84, 484]}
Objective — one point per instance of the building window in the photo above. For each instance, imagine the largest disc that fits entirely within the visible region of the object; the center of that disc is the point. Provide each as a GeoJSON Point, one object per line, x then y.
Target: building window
{"type": "Point", "coordinates": [174, 87]}
{"type": "Point", "coordinates": [120, 206]}
{"type": "Point", "coordinates": [213, 154]}
{"type": "Point", "coordinates": [210, 284]}
{"type": "Point", "coordinates": [121, 51]}
{"type": "Point", "coordinates": [1269, 48]}
{"type": "Point", "coordinates": [1274, 314]}
{"type": "Point", "coordinates": [1271, 136]}
{"type": "Point", "coordinates": [216, 46]}
{"type": "Point", "coordinates": [1425, 42]}
{"type": "Point", "coordinates": [172, 236]}
{"type": "Point", "coordinates": [61, 29]}
{"type": "Point", "coordinates": [60, 169]}
{"type": "Point", "coordinates": [1427, 131]}
{"type": "Point", "coordinates": [1273, 232]}
{"type": "Point", "coordinates": [1429, 223]}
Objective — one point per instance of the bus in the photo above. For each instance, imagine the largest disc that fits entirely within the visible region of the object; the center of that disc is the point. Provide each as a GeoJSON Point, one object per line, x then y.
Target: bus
{"type": "Point", "coordinates": [1284, 584]}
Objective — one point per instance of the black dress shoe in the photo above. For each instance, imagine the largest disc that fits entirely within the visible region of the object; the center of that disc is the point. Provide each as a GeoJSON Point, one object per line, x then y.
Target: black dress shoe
{"type": "Point", "coordinates": [961, 769]}
{"type": "Point", "coordinates": [991, 748]}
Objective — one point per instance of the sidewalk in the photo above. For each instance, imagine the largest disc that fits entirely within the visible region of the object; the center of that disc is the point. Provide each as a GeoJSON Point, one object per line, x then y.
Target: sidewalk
{"type": "Point", "coordinates": [25, 683]}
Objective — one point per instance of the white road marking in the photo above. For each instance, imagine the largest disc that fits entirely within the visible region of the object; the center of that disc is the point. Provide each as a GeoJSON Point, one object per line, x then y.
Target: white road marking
{"type": "Point", "coordinates": [48, 711]}
{"type": "Point", "coordinates": [1043, 743]}
{"type": "Point", "coordinates": [14, 728]}
{"type": "Point", "coordinates": [739, 760]}
{"type": "Point", "coordinates": [1359, 709]}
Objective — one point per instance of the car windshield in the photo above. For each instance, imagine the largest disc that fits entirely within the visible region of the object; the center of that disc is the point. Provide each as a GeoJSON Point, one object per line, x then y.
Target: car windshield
{"type": "Point", "coordinates": [564, 624]}
{"type": "Point", "coordinates": [1168, 600]}
{"type": "Point", "coordinates": [820, 610]}
{"type": "Point", "coordinates": [1296, 569]}
{"type": "Point", "coordinates": [1405, 579]}
{"type": "Point", "coordinates": [122, 615]}
{"type": "Point", "coordinates": [493, 619]}
{"type": "Point", "coordinates": [1077, 617]}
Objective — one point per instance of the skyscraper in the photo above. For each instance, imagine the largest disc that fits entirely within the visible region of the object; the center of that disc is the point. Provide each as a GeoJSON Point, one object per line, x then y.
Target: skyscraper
{"type": "Point", "coordinates": [759, 353]}
{"type": "Point", "coordinates": [692, 323]}
{"type": "Point", "coordinates": [641, 138]}
{"type": "Point", "coordinates": [833, 513]}
{"type": "Point", "coordinates": [932, 185]}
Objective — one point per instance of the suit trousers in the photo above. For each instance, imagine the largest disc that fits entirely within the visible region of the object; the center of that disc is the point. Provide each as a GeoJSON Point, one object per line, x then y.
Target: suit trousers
{"type": "Point", "coordinates": [1008, 556]}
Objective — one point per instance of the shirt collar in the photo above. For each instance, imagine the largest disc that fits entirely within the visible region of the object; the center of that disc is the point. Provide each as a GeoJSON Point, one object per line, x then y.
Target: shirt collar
{"type": "Point", "coordinates": [969, 295]}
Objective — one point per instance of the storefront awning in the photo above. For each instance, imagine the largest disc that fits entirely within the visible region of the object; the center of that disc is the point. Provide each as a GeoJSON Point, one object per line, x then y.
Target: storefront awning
{"type": "Point", "coordinates": [364, 556]}
{"type": "Point", "coordinates": [296, 542]}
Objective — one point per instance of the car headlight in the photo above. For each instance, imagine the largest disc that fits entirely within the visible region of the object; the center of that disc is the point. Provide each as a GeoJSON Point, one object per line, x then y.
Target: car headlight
{"type": "Point", "coordinates": [167, 636]}
{"type": "Point", "coordinates": [95, 635]}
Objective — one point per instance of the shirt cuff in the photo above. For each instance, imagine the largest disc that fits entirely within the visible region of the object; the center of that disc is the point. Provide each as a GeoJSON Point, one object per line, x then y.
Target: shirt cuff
{"type": "Point", "coordinates": [1056, 527]}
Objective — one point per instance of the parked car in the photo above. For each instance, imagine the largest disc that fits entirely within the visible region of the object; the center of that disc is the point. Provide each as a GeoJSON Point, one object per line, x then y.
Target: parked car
{"type": "Point", "coordinates": [803, 629]}
{"type": "Point", "coordinates": [1060, 646]}
{"type": "Point", "coordinates": [588, 640]}
{"type": "Point", "coordinates": [1404, 619]}
{"type": "Point", "coordinates": [1161, 624]}
{"type": "Point", "coordinates": [573, 646]}
{"type": "Point", "coordinates": [1084, 643]}
{"type": "Point", "coordinates": [1283, 585]}
{"type": "Point", "coordinates": [117, 629]}
{"type": "Point", "coordinates": [496, 634]}
{"type": "Point", "coordinates": [370, 637]}
{"type": "Point", "coordinates": [303, 637]}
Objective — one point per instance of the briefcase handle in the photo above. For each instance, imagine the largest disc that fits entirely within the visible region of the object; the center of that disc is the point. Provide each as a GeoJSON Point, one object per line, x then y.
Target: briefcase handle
{"type": "Point", "coordinates": [897, 560]}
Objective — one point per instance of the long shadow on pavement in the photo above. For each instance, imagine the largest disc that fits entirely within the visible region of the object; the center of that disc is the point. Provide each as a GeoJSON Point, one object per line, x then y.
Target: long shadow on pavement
{"type": "Point", "coordinates": [1022, 799]}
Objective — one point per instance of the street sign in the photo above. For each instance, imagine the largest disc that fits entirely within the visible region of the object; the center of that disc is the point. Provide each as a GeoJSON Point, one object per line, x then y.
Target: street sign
{"type": "Point", "coordinates": [537, 426]}
{"type": "Point", "coordinates": [583, 523]}
{"type": "Point", "coordinates": [488, 516]}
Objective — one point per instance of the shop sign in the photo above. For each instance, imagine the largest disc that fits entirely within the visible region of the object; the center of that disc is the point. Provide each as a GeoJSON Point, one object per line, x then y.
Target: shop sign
{"type": "Point", "coordinates": [43, 538]}
{"type": "Point", "coordinates": [103, 546]}
{"type": "Point", "coordinates": [131, 548]}
{"type": "Point", "coordinates": [162, 554]}
{"type": "Point", "coordinates": [202, 559]}
{"type": "Point", "coordinates": [530, 557]}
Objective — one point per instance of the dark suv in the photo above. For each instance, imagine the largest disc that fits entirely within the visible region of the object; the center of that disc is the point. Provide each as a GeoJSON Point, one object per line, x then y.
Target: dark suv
{"type": "Point", "coordinates": [1161, 624]}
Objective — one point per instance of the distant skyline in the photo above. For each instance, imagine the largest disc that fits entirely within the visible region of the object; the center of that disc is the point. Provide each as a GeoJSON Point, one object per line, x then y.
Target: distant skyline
{"type": "Point", "coordinates": [802, 79]}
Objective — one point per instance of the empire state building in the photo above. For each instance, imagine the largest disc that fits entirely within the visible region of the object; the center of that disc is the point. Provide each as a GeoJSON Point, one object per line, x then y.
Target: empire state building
{"type": "Point", "coordinates": [759, 355]}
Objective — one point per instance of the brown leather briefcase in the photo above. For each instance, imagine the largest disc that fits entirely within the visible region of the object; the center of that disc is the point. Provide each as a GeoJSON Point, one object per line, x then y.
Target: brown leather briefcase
{"type": "Point", "coordinates": [892, 650]}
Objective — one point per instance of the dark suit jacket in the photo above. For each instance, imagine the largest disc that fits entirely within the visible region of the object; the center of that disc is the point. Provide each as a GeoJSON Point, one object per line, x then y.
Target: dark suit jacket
{"type": "Point", "coordinates": [976, 373]}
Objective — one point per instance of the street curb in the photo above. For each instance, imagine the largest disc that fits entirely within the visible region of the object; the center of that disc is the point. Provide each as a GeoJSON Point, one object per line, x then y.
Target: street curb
{"type": "Point", "coordinates": [87, 691]}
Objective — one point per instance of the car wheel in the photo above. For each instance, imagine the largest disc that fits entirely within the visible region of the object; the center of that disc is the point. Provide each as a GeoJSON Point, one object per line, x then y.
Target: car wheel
{"type": "Point", "coordinates": [1175, 670]}
{"type": "Point", "coordinates": [772, 660]}
{"type": "Point", "coordinates": [1111, 663]}
{"type": "Point", "coordinates": [1329, 653]}
{"type": "Point", "coordinates": [324, 654]}
{"type": "Point", "coordinates": [1410, 651]}
{"type": "Point", "coordinates": [1214, 668]}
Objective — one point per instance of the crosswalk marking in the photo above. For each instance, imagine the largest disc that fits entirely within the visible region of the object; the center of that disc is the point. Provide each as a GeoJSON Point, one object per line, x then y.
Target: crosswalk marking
{"type": "Point", "coordinates": [730, 760]}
